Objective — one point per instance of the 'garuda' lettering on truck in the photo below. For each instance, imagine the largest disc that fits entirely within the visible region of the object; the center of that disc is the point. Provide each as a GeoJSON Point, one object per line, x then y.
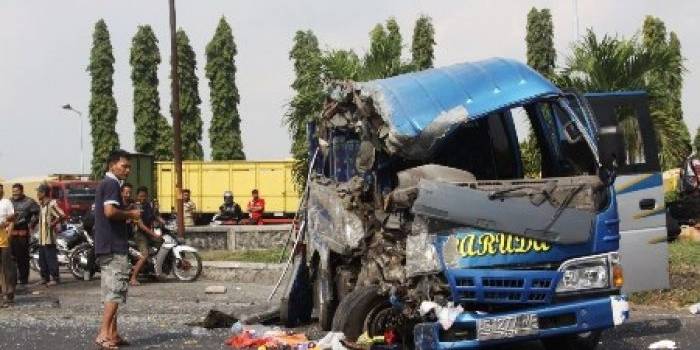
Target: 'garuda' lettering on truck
{"type": "Point", "coordinates": [485, 244]}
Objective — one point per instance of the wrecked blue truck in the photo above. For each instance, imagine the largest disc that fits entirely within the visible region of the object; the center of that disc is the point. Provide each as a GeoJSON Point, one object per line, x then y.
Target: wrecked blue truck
{"type": "Point", "coordinates": [420, 222]}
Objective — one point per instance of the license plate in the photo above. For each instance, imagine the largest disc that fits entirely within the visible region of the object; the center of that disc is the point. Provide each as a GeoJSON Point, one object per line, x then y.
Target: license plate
{"type": "Point", "coordinates": [507, 327]}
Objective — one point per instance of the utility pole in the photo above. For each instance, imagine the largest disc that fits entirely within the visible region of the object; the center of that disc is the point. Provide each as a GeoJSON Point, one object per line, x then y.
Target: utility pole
{"type": "Point", "coordinates": [175, 104]}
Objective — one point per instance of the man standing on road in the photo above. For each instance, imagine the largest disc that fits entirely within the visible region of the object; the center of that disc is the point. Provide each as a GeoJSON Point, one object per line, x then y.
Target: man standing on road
{"type": "Point", "coordinates": [112, 246]}
{"type": "Point", "coordinates": [143, 232]}
{"type": "Point", "coordinates": [256, 208]}
{"type": "Point", "coordinates": [189, 208]}
{"type": "Point", "coordinates": [49, 217]}
{"type": "Point", "coordinates": [8, 268]}
{"type": "Point", "coordinates": [26, 214]}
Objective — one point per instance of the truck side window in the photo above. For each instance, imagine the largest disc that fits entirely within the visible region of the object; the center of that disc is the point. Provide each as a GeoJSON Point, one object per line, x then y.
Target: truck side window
{"type": "Point", "coordinates": [558, 156]}
{"type": "Point", "coordinates": [631, 135]}
{"type": "Point", "coordinates": [483, 147]}
{"type": "Point", "coordinates": [344, 150]}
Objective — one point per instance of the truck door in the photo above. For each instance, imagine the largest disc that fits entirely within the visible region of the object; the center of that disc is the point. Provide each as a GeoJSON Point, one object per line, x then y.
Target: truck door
{"type": "Point", "coordinates": [626, 137]}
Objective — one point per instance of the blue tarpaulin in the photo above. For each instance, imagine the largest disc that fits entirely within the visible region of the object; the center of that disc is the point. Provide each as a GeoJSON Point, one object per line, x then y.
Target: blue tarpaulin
{"type": "Point", "coordinates": [410, 103]}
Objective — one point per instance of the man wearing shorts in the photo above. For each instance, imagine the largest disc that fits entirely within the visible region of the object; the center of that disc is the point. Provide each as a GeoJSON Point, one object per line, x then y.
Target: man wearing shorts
{"type": "Point", "coordinates": [112, 246]}
{"type": "Point", "coordinates": [144, 232]}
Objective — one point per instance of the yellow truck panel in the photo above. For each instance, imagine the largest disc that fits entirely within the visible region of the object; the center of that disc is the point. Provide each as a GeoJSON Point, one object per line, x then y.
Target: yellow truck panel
{"type": "Point", "coordinates": [207, 182]}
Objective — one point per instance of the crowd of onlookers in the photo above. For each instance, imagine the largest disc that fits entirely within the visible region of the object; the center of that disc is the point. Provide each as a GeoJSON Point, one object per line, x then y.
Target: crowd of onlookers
{"type": "Point", "coordinates": [230, 212]}
{"type": "Point", "coordinates": [19, 216]}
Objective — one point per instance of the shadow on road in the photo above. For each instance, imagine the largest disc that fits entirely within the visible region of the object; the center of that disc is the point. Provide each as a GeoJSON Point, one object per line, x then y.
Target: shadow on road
{"type": "Point", "coordinates": [628, 336]}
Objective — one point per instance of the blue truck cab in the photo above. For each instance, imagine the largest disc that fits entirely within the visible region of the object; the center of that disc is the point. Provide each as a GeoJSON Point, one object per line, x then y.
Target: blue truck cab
{"type": "Point", "coordinates": [423, 221]}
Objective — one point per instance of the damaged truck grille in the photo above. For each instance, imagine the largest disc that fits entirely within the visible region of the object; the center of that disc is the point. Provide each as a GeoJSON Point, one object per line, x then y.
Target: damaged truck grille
{"type": "Point", "coordinates": [502, 286]}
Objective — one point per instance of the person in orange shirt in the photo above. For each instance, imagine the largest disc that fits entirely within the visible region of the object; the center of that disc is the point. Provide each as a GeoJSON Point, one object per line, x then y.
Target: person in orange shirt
{"type": "Point", "coordinates": [256, 208]}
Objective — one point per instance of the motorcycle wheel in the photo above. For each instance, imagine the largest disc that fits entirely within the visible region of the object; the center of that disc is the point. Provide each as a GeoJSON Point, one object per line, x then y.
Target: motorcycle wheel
{"type": "Point", "coordinates": [79, 260]}
{"type": "Point", "coordinates": [34, 263]}
{"type": "Point", "coordinates": [188, 267]}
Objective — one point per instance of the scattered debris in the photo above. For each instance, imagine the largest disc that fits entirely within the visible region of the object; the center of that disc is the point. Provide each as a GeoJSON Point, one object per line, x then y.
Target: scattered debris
{"type": "Point", "coordinates": [215, 319]}
{"type": "Point", "coordinates": [270, 339]}
{"type": "Point", "coordinates": [215, 290]}
{"type": "Point", "coordinates": [199, 332]}
{"type": "Point", "coordinates": [332, 341]}
{"type": "Point", "coordinates": [265, 317]}
{"type": "Point", "coordinates": [663, 344]}
{"type": "Point", "coordinates": [446, 315]}
{"type": "Point", "coordinates": [694, 309]}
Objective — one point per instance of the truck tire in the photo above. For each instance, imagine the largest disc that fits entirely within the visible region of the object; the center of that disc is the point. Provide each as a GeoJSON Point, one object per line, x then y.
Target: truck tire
{"type": "Point", "coordinates": [581, 341]}
{"type": "Point", "coordinates": [365, 310]}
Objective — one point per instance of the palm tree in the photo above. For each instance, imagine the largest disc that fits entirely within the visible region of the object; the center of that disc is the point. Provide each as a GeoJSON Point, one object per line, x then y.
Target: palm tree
{"type": "Point", "coordinates": [617, 64]}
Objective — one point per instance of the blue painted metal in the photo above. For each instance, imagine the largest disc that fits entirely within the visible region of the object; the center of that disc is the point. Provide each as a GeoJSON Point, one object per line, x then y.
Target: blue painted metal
{"type": "Point", "coordinates": [591, 314]}
{"type": "Point", "coordinates": [413, 101]}
{"type": "Point", "coordinates": [493, 286]}
{"type": "Point", "coordinates": [654, 180]}
{"type": "Point", "coordinates": [606, 227]}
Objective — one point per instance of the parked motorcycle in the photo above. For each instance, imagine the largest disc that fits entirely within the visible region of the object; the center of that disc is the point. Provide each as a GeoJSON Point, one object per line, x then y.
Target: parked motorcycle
{"type": "Point", "coordinates": [66, 240]}
{"type": "Point", "coordinates": [170, 256]}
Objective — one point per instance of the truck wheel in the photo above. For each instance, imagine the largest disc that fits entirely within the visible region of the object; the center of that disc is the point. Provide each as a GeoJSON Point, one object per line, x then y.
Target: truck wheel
{"type": "Point", "coordinates": [365, 310]}
{"type": "Point", "coordinates": [581, 341]}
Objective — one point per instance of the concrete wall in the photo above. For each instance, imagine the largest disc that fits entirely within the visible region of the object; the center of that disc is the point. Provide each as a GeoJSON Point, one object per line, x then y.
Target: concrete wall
{"type": "Point", "coordinates": [237, 237]}
{"type": "Point", "coordinates": [242, 272]}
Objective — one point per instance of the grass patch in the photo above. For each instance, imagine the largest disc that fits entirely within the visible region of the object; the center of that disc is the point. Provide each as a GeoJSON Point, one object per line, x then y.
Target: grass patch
{"type": "Point", "coordinates": [684, 265]}
{"type": "Point", "coordinates": [253, 255]}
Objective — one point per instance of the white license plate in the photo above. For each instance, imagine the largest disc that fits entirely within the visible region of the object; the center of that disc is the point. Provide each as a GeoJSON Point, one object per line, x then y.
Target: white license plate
{"type": "Point", "coordinates": [507, 327]}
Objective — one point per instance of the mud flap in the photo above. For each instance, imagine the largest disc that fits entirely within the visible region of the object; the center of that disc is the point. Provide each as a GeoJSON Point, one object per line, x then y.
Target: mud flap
{"type": "Point", "coordinates": [296, 304]}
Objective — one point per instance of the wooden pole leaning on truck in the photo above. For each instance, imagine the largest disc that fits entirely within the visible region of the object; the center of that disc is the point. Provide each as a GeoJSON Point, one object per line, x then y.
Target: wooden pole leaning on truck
{"type": "Point", "coordinates": [177, 138]}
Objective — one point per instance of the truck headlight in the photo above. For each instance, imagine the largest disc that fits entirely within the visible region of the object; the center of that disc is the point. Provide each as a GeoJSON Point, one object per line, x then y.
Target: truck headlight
{"type": "Point", "coordinates": [591, 272]}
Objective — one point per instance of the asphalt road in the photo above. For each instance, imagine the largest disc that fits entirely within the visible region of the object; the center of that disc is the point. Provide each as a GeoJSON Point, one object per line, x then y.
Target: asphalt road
{"type": "Point", "coordinates": [156, 316]}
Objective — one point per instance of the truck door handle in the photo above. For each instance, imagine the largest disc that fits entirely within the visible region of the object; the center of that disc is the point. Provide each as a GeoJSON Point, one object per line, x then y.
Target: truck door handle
{"type": "Point", "coordinates": [647, 204]}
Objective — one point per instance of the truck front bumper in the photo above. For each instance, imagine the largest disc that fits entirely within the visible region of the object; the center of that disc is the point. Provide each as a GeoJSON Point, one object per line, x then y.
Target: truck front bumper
{"type": "Point", "coordinates": [554, 320]}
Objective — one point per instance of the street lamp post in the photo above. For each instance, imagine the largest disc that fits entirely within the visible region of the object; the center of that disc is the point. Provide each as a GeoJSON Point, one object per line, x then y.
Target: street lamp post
{"type": "Point", "coordinates": [82, 153]}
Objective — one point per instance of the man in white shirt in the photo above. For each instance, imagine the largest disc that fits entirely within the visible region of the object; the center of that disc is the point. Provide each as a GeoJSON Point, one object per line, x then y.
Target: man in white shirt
{"type": "Point", "coordinates": [8, 268]}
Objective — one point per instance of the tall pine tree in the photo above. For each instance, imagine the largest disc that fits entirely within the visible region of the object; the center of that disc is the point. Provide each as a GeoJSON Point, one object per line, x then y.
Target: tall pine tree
{"type": "Point", "coordinates": [225, 129]}
{"type": "Point", "coordinates": [189, 99]}
{"type": "Point", "coordinates": [423, 44]}
{"type": "Point", "coordinates": [151, 128]}
{"type": "Point", "coordinates": [384, 57]}
{"type": "Point", "coordinates": [308, 99]}
{"type": "Point", "coordinates": [541, 56]}
{"type": "Point", "coordinates": [103, 107]}
{"type": "Point", "coordinates": [540, 42]}
{"type": "Point", "coordinates": [667, 83]}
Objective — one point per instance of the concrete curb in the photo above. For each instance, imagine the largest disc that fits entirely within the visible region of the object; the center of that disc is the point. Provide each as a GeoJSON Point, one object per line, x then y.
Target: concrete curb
{"type": "Point", "coordinates": [241, 272]}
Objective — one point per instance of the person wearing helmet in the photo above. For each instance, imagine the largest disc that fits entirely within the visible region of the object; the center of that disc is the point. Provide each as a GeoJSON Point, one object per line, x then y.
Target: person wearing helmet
{"type": "Point", "coordinates": [230, 210]}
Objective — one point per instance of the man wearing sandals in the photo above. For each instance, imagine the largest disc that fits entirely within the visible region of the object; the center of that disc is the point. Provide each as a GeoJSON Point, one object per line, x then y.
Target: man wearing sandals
{"type": "Point", "coordinates": [112, 246]}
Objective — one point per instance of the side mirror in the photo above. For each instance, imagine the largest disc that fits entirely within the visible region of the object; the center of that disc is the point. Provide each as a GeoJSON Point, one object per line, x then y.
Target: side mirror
{"type": "Point", "coordinates": [608, 171]}
{"type": "Point", "coordinates": [572, 133]}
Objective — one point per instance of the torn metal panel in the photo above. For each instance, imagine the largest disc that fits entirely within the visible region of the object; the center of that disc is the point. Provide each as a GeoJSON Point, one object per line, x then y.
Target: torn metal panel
{"type": "Point", "coordinates": [411, 177]}
{"type": "Point", "coordinates": [516, 215]}
{"type": "Point", "coordinates": [422, 255]}
{"type": "Point", "coordinates": [329, 218]}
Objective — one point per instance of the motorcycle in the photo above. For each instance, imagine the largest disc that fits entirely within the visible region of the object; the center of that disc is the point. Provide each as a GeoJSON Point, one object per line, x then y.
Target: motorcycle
{"type": "Point", "coordinates": [66, 240]}
{"type": "Point", "coordinates": [171, 256]}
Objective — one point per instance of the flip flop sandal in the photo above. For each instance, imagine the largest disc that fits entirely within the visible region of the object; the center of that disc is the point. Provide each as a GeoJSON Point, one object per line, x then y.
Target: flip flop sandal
{"type": "Point", "coordinates": [122, 342]}
{"type": "Point", "coordinates": [105, 344]}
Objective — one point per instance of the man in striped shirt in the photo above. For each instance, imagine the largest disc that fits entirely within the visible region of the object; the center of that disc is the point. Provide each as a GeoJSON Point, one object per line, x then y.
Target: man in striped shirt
{"type": "Point", "coordinates": [50, 216]}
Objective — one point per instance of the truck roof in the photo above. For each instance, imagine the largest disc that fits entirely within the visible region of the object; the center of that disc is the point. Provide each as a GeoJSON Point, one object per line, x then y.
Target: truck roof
{"type": "Point", "coordinates": [429, 103]}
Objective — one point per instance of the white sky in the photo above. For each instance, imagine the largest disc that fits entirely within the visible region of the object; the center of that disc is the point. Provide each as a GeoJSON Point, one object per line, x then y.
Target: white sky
{"type": "Point", "coordinates": [45, 45]}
